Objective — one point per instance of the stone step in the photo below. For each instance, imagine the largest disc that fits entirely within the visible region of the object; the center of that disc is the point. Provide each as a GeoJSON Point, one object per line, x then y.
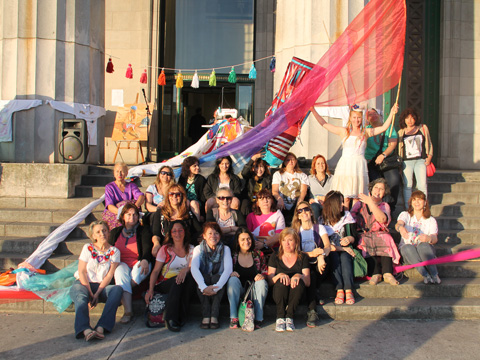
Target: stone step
{"type": "Point", "coordinates": [458, 237]}
{"type": "Point", "coordinates": [47, 203]}
{"type": "Point", "coordinates": [457, 210]}
{"type": "Point", "coordinates": [26, 246]}
{"type": "Point", "coordinates": [453, 198]}
{"type": "Point", "coordinates": [101, 170]}
{"type": "Point", "coordinates": [455, 176]}
{"type": "Point", "coordinates": [447, 187]}
{"type": "Point", "coordinates": [44, 215]}
{"type": "Point", "coordinates": [458, 223]}
{"type": "Point", "coordinates": [31, 229]}
{"type": "Point", "coordinates": [461, 269]}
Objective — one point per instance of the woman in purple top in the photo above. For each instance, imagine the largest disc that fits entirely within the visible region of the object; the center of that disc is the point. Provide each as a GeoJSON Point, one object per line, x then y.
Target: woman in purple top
{"type": "Point", "coordinates": [118, 193]}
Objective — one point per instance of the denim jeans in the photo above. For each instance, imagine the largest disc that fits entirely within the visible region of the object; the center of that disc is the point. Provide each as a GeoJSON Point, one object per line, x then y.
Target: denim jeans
{"type": "Point", "coordinates": [124, 275]}
{"type": "Point", "coordinates": [342, 268]}
{"type": "Point", "coordinates": [411, 167]}
{"type": "Point", "coordinates": [111, 296]}
{"type": "Point", "coordinates": [422, 252]}
{"type": "Point", "coordinates": [235, 290]}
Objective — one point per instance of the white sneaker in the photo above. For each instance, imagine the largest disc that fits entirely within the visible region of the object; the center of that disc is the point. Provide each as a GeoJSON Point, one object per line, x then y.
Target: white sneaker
{"type": "Point", "coordinates": [427, 280]}
{"type": "Point", "coordinates": [290, 326]}
{"type": "Point", "coordinates": [280, 325]}
{"type": "Point", "coordinates": [436, 279]}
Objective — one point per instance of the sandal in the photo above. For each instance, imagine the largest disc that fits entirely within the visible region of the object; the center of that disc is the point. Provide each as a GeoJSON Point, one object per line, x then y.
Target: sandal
{"type": "Point", "coordinates": [205, 325]}
{"type": "Point", "coordinates": [350, 298]}
{"type": "Point", "coordinates": [389, 278]}
{"type": "Point", "coordinates": [375, 279]}
{"type": "Point", "coordinates": [89, 334]}
{"type": "Point", "coordinates": [99, 333]}
{"type": "Point", "coordinates": [340, 298]}
{"type": "Point", "coordinates": [126, 318]}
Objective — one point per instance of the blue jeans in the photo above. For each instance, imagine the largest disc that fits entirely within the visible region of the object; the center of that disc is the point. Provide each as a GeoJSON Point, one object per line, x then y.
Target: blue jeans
{"type": "Point", "coordinates": [422, 252]}
{"type": "Point", "coordinates": [111, 296]}
{"type": "Point", "coordinates": [235, 290]}
{"type": "Point", "coordinates": [411, 167]}
{"type": "Point", "coordinates": [342, 268]}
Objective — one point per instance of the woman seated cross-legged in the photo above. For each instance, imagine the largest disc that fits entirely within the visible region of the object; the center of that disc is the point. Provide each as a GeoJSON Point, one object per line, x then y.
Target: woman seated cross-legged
{"type": "Point", "coordinates": [248, 267]}
{"type": "Point", "coordinates": [171, 275]}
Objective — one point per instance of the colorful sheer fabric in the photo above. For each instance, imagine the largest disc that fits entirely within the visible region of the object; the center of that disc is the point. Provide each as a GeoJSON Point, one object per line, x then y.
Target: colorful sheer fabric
{"type": "Point", "coordinates": [364, 62]}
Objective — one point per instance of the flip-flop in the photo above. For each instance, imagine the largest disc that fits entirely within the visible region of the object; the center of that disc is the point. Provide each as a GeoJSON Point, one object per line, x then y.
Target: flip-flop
{"type": "Point", "coordinates": [100, 335]}
{"type": "Point", "coordinates": [339, 300]}
{"type": "Point", "coordinates": [89, 336]}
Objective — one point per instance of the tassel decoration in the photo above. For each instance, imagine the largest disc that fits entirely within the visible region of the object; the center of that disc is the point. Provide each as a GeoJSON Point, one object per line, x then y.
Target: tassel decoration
{"type": "Point", "coordinates": [195, 81]}
{"type": "Point", "coordinates": [179, 83]}
{"type": "Point", "coordinates": [272, 64]}
{"type": "Point", "coordinates": [253, 72]}
{"type": "Point", "coordinates": [143, 77]}
{"type": "Point", "coordinates": [161, 79]}
{"type": "Point", "coordinates": [232, 77]}
{"type": "Point", "coordinates": [129, 73]}
{"type": "Point", "coordinates": [213, 79]}
{"type": "Point", "coordinates": [109, 66]}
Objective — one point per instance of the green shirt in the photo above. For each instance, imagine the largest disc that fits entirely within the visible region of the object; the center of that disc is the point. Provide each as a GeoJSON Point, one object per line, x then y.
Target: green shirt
{"type": "Point", "coordinates": [373, 143]}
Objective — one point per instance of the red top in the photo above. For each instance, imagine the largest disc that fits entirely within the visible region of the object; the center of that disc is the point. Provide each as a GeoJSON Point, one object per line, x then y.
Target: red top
{"type": "Point", "coordinates": [128, 252]}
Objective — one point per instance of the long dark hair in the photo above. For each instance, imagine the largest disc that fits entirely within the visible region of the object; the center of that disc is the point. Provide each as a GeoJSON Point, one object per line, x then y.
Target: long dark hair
{"type": "Point", "coordinates": [333, 207]}
{"type": "Point", "coordinates": [260, 162]}
{"type": "Point", "coordinates": [186, 239]}
{"type": "Point", "coordinates": [126, 207]}
{"type": "Point", "coordinates": [216, 171]}
{"type": "Point", "coordinates": [243, 230]}
{"type": "Point", "coordinates": [187, 162]}
{"type": "Point", "coordinates": [419, 195]}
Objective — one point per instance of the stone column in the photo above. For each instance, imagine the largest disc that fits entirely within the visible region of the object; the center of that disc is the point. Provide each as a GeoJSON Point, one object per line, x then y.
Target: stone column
{"type": "Point", "coordinates": [50, 50]}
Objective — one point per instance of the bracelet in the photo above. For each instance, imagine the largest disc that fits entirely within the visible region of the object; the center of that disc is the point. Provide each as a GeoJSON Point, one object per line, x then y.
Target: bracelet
{"type": "Point", "coordinates": [384, 155]}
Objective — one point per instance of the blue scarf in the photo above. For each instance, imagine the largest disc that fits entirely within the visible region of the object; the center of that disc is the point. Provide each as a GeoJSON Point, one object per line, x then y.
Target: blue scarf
{"type": "Point", "coordinates": [210, 260]}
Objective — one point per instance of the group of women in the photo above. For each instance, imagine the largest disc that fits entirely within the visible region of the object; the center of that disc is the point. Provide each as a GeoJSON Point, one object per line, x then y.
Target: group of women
{"type": "Point", "coordinates": [286, 232]}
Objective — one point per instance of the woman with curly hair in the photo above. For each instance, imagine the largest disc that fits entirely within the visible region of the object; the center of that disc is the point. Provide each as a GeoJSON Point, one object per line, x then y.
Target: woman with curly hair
{"type": "Point", "coordinates": [194, 183]}
{"type": "Point", "coordinates": [257, 177]}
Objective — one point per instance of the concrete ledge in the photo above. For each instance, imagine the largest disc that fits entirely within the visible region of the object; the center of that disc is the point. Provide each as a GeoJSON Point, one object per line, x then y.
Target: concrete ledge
{"type": "Point", "coordinates": [40, 180]}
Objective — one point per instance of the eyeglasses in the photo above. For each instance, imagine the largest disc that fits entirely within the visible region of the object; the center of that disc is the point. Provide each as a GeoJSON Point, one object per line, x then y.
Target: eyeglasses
{"type": "Point", "coordinates": [166, 173]}
{"type": "Point", "coordinates": [177, 231]}
{"type": "Point", "coordinates": [228, 198]}
{"type": "Point", "coordinates": [265, 198]}
{"type": "Point", "coordinates": [177, 194]}
{"type": "Point", "coordinates": [305, 209]}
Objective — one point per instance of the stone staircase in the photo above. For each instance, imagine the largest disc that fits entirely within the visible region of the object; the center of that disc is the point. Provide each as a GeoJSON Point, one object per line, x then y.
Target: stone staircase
{"type": "Point", "coordinates": [455, 199]}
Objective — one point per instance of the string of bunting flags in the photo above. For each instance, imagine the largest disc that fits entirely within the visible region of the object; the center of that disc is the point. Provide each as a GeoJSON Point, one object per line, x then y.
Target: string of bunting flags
{"type": "Point", "coordinates": [212, 81]}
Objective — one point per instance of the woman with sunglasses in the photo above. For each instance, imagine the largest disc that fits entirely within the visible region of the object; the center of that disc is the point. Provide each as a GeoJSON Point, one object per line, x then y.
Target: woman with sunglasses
{"type": "Point", "coordinates": [257, 177]}
{"type": "Point", "coordinates": [227, 218]}
{"type": "Point", "coordinates": [175, 208]}
{"type": "Point", "coordinates": [289, 186]}
{"type": "Point", "coordinates": [315, 243]}
{"type": "Point", "coordinates": [265, 222]}
{"type": "Point", "coordinates": [222, 177]}
{"type": "Point", "coordinates": [156, 193]}
{"type": "Point", "coordinates": [194, 183]}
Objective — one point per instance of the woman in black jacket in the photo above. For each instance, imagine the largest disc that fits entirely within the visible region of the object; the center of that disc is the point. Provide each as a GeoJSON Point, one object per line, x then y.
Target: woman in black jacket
{"type": "Point", "coordinates": [134, 242]}
{"type": "Point", "coordinates": [222, 177]}
{"type": "Point", "coordinates": [257, 177]}
{"type": "Point", "coordinates": [194, 184]}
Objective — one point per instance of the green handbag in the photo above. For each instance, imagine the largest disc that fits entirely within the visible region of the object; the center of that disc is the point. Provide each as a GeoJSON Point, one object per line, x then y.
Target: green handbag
{"type": "Point", "coordinates": [243, 304]}
{"type": "Point", "coordinates": [359, 264]}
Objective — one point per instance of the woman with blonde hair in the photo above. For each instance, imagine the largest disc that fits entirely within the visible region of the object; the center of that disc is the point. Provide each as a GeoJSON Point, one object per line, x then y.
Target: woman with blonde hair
{"type": "Point", "coordinates": [157, 192]}
{"type": "Point", "coordinates": [319, 183]}
{"type": "Point", "coordinates": [351, 173]}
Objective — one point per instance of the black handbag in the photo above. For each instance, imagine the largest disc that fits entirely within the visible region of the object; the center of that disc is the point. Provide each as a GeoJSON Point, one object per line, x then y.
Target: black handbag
{"type": "Point", "coordinates": [392, 161]}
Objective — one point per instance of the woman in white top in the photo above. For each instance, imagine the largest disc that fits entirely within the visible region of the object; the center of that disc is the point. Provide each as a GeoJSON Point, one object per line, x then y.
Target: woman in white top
{"type": "Point", "coordinates": [419, 233]}
{"type": "Point", "coordinates": [289, 186]}
{"type": "Point", "coordinates": [96, 266]}
{"type": "Point", "coordinates": [157, 192]}
{"type": "Point", "coordinates": [351, 173]}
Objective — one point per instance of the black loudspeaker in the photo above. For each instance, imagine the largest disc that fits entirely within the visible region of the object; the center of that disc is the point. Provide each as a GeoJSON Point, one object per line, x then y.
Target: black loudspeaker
{"type": "Point", "coordinates": [72, 141]}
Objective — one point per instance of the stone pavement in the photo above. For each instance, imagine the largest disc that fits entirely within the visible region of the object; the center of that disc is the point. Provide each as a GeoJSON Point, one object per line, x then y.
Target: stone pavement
{"type": "Point", "coordinates": [41, 336]}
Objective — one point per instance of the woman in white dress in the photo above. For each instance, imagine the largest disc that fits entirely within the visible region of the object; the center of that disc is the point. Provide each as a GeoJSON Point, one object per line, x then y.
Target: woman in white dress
{"type": "Point", "coordinates": [351, 173]}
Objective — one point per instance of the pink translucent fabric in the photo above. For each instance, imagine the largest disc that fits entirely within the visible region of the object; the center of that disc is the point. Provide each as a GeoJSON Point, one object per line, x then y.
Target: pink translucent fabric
{"type": "Point", "coordinates": [364, 62]}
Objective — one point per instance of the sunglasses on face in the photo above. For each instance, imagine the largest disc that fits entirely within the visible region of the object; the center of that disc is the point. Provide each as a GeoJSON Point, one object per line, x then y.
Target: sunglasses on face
{"type": "Point", "coordinates": [265, 198]}
{"type": "Point", "coordinates": [299, 211]}
{"type": "Point", "coordinates": [166, 173]}
{"type": "Point", "coordinates": [175, 194]}
{"type": "Point", "coordinates": [228, 198]}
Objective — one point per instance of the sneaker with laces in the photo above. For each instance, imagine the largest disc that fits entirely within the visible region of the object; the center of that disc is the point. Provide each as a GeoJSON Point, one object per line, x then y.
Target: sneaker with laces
{"type": "Point", "coordinates": [436, 279]}
{"type": "Point", "coordinates": [427, 279]}
{"type": "Point", "coordinates": [234, 324]}
{"type": "Point", "coordinates": [289, 324]}
{"type": "Point", "coordinates": [280, 325]}
{"type": "Point", "coordinates": [312, 318]}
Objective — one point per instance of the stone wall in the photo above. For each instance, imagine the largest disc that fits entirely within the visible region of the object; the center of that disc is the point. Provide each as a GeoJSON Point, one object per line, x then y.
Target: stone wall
{"type": "Point", "coordinates": [50, 50]}
{"type": "Point", "coordinates": [459, 139]}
